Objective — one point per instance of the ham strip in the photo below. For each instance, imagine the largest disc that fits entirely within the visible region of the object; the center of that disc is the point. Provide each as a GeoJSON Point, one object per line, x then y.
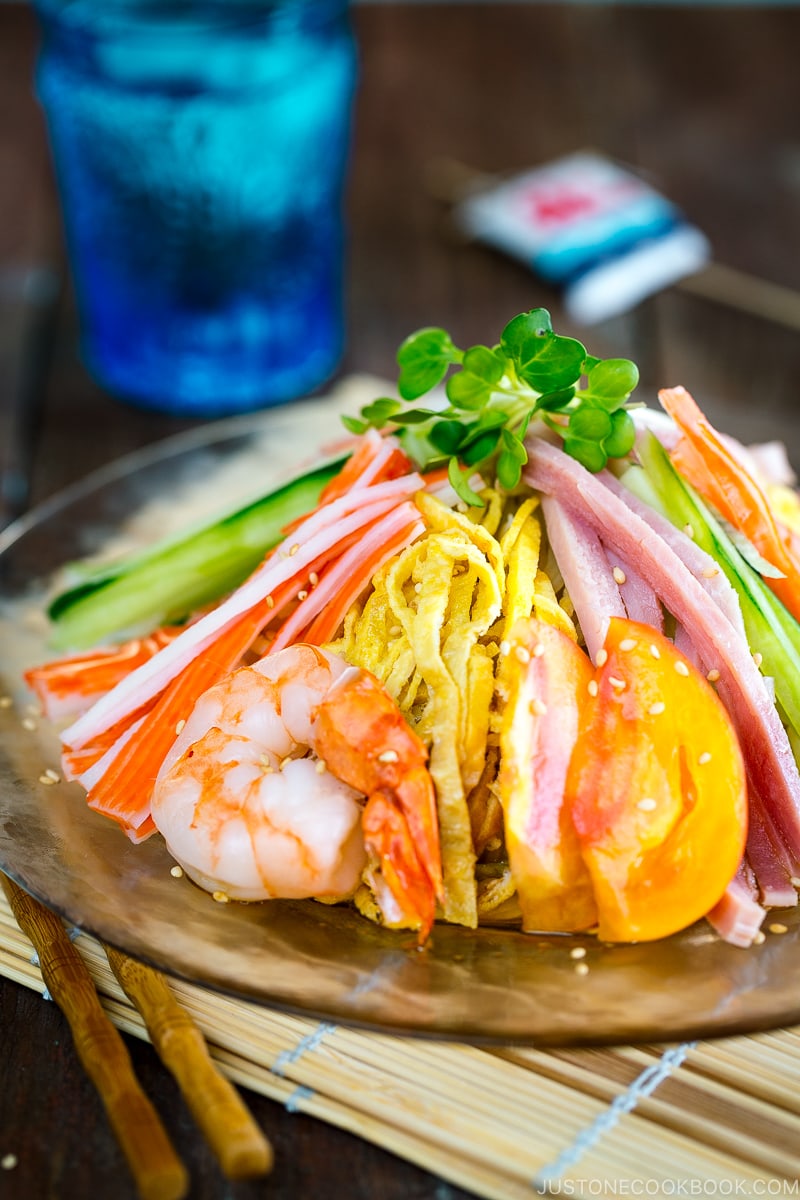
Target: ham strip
{"type": "Point", "coordinates": [641, 602]}
{"type": "Point", "coordinates": [586, 572]}
{"type": "Point", "coordinates": [763, 739]}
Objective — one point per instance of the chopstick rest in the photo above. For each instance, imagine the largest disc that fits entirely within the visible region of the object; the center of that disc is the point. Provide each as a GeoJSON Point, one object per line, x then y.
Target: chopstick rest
{"type": "Point", "coordinates": [228, 1126]}
{"type": "Point", "coordinates": [158, 1172]}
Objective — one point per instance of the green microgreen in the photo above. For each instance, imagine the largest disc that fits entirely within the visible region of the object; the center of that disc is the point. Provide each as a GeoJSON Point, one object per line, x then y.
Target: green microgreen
{"type": "Point", "coordinates": [491, 394]}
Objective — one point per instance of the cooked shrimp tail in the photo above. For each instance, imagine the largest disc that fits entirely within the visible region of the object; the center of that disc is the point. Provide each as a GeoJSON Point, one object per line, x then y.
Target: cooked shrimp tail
{"type": "Point", "coordinates": [366, 742]}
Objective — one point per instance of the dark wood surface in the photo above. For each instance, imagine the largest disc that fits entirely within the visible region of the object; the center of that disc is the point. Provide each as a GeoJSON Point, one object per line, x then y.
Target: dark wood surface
{"type": "Point", "coordinates": [704, 100]}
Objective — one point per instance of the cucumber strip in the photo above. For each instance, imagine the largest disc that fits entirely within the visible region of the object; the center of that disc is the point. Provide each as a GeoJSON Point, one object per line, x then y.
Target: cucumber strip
{"type": "Point", "coordinates": [771, 630]}
{"type": "Point", "coordinates": [169, 581]}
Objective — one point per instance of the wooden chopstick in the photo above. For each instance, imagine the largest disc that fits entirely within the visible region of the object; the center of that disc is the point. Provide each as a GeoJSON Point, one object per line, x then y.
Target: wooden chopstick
{"type": "Point", "coordinates": [239, 1144]}
{"type": "Point", "coordinates": [158, 1172]}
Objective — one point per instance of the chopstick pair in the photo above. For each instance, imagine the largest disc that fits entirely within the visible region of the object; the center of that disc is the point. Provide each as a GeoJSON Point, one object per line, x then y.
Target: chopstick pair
{"type": "Point", "coordinates": [228, 1126]}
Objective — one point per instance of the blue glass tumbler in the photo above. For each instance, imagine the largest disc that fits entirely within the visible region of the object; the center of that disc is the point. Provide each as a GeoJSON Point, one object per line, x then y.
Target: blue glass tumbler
{"type": "Point", "coordinates": [201, 151]}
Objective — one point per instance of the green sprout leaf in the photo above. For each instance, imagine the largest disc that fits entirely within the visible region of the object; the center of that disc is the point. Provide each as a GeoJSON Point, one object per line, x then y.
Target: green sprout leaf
{"type": "Point", "coordinates": [459, 481]}
{"type": "Point", "coordinates": [424, 358]}
{"type": "Point", "coordinates": [465, 390]}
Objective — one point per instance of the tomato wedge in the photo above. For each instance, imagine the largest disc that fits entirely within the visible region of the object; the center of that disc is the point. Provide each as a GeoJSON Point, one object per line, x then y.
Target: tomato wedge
{"type": "Point", "coordinates": [546, 676]}
{"type": "Point", "coordinates": [703, 459]}
{"type": "Point", "coordinates": [656, 789]}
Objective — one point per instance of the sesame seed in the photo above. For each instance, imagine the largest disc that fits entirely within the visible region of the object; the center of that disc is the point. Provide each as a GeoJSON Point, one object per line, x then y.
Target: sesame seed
{"type": "Point", "coordinates": [704, 758]}
{"type": "Point", "coordinates": [655, 710]}
{"type": "Point", "coordinates": [179, 728]}
{"type": "Point", "coordinates": [681, 667]}
{"type": "Point", "coordinates": [581, 968]}
{"type": "Point", "coordinates": [302, 594]}
{"type": "Point", "coordinates": [618, 685]}
{"type": "Point", "coordinates": [602, 657]}
{"type": "Point", "coordinates": [619, 575]}
{"type": "Point", "coordinates": [395, 631]}
{"type": "Point", "coordinates": [494, 843]}
{"type": "Point", "coordinates": [593, 688]}
{"type": "Point", "coordinates": [505, 648]}
{"type": "Point", "coordinates": [578, 952]}
{"type": "Point", "coordinates": [6, 702]}
{"type": "Point", "coordinates": [777, 927]}
{"type": "Point", "coordinates": [46, 780]}
{"type": "Point", "coordinates": [52, 775]}
{"type": "Point", "coordinates": [689, 530]}
{"type": "Point", "coordinates": [648, 804]}
{"type": "Point", "coordinates": [321, 766]}
{"type": "Point", "coordinates": [313, 578]}
{"type": "Point", "coordinates": [654, 650]}
{"type": "Point", "coordinates": [538, 707]}
{"type": "Point", "coordinates": [176, 872]}
{"type": "Point", "coordinates": [758, 658]}
{"type": "Point", "coordinates": [294, 550]}
{"type": "Point", "coordinates": [627, 644]}
{"type": "Point", "coordinates": [795, 881]}
{"type": "Point", "coordinates": [284, 762]}
{"type": "Point", "coordinates": [418, 588]}
{"type": "Point", "coordinates": [270, 602]}
{"type": "Point", "coordinates": [709, 572]}
{"type": "Point", "coordinates": [759, 938]}
{"type": "Point", "coordinates": [522, 654]}
{"type": "Point", "coordinates": [538, 650]}
{"type": "Point", "coordinates": [28, 723]}
{"type": "Point", "coordinates": [8, 1162]}
{"type": "Point", "coordinates": [388, 756]}
{"type": "Point", "coordinates": [713, 675]}
{"type": "Point", "coordinates": [220, 897]}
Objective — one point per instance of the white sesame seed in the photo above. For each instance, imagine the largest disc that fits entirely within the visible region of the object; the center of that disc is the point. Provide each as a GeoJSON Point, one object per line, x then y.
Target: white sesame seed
{"type": "Point", "coordinates": [28, 723]}
{"type": "Point", "coordinates": [45, 779]}
{"type": "Point", "coordinates": [538, 707]}
{"type": "Point", "coordinates": [302, 594]}
{"type": "Point", "coordinates": [795, 881]}
{"type": "Point", "coordinates": [270, 602]}
{"type": "Point", "coordinates": [602, 657]}
{"type": "Point", "coordinates": [709, 572]}
{"type": "Point", "coordinates": [704, 758]}
{"type": "Point", "coordinates": [618, 685]}
{"type": "Point", "coordinates": [619, 575]}
{"type": "Point", "coordinates": [52, 775]}
{"type": "Point", "coordinates": [627, 644]}
{"type": "Point", "coordinates": [593, 688]}
{"type": "Point", "coordinates": [713, 675]}
{"type": "Point", "coordinates": [655, 710]}
{"type": "Point", "coordinates": [418, 588]}
{"type": "Point", "coordinates": [522, 654]}
{"type": "Point", "coordinates": [179, 728]}
{"type": "Point", "coordinates": [654, 650]}
{"type": "Point", "coordinates": [313, 578]}
{"type": "Point", "coordinates": [8, 1162]}
{"type": "Point", "coordinates": [778, 927]}
{"type": "Point", "coordinates": [388, 756]}
{"type": "Point", "coordinates": [758, 658]}
{"type": "Point", "coordinates": [581, 968]}
{"type": "Point", "coordinates": [505, 648]}
{"type": "Point", "coordinates": [220, 897]}
{"type": "Point", "coordinates": [689, 530]}
{"type": "Point", "coordinates": [648, 804]}
{"type": "Point", "coordinates": [176, 872]}
{"type": "Point", "coordinates": [294, 550]}
{"type": "Point", "coordinates": [681, 667]}
{"type": "Point", "coordinates": [759, 938]}
{"type": "Point", "coordinates": [578, 952]}
{"type": "Point", "coordinates": [321, 766]}
{"type": "Point", "coordinates": [538, 650]}
{"type": "Point", "coordinates": [395, 631]}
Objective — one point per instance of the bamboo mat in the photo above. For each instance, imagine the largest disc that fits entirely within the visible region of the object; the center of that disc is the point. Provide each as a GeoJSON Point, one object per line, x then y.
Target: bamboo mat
{"type": "Point", "coordinates": [702, 1119]}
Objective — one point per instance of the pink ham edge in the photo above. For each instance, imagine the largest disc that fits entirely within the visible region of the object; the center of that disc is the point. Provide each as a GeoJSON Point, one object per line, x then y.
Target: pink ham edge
{"type": "Point", "coordinates": [764, 742]}
{"type": "Point", "coordinates": [313, 538]}
{"type": "Point", "coordinates": [738, 916]}
{"type": "Point", "coordinates": [585, 570]}
{"type": "Point", "coordinates": [641, 602]}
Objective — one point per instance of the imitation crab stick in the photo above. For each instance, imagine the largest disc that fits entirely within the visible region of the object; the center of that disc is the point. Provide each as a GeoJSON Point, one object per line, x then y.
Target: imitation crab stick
{"type": "Point", "coordinates": [705, 461]}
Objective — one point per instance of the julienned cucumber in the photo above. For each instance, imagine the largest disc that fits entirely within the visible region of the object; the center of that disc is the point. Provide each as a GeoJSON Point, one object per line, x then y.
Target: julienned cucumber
{"type": "Point", "coordinates": [771, 630]}
{"type": "Point", "coordinates": [173, 579]}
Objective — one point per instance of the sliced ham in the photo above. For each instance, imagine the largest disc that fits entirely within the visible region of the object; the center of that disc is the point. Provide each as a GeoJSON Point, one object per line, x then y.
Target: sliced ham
{"type": "Point", "coordinates": [738, 916]}
{"type": "Point", "coordinates": [641, 602]}
{"type": "Point", "coordinates": [586, 572]}
{"type": "Point", "coordinates": [763, 739]}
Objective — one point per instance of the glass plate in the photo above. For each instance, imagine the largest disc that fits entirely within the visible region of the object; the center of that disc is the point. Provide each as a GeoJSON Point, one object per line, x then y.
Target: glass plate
{"type": "Point", "coordinates": [492, 984]}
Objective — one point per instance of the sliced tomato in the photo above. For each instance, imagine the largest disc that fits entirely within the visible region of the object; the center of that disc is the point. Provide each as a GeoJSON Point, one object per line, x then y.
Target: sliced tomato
{"type": "Point", "coordinates": [703, 458]}
{"type": "Point", "coordinates": [547, 678]}
{"type": "Point", "coordinates": [656, 789]}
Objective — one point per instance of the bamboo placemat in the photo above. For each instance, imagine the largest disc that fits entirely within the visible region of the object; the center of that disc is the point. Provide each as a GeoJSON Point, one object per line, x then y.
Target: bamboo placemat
{"type": "Point", "coordinates": [703, 1119]}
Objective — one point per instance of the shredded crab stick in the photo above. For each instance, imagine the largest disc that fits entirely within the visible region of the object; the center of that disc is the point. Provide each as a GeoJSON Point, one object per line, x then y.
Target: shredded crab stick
{"type": "Point", "coordinates": [313, 539]}
{"type": "Point", "coordinates": [261, 794]}
{"type": "Point", "coordinates": [764, 740]}
{"type": "Point", "coordinates": [720, 477]}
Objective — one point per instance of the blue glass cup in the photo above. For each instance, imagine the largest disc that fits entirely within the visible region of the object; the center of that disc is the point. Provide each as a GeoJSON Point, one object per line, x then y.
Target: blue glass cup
{"type": "Point", "coordinates": [201, 151]}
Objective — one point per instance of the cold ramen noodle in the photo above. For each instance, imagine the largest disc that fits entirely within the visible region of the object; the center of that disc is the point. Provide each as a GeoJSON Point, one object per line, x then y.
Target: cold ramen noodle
{"type": "Point", "coordinates": [523, 651]}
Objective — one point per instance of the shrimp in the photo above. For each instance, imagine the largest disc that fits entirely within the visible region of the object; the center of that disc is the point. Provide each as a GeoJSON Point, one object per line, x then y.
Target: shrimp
{"type": "Point", "coordinates": [262, 793]}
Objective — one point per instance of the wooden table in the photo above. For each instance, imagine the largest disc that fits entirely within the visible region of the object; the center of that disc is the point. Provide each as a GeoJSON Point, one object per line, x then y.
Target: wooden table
{"type": "Point", "coordinates": [705, 101]}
